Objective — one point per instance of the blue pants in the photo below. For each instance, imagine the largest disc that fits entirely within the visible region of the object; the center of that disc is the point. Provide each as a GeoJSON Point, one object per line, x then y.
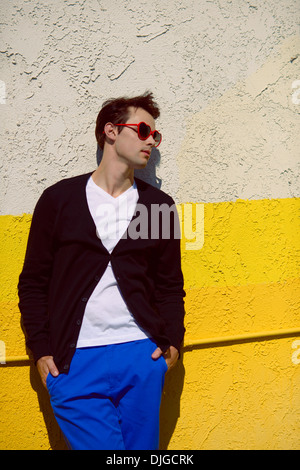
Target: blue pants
{"type": "Point", "coordinates": [110, 400]}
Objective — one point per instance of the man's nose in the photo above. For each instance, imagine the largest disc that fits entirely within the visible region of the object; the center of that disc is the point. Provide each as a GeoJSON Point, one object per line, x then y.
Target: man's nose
{"type": "Point", "coordinates": [151, 141]}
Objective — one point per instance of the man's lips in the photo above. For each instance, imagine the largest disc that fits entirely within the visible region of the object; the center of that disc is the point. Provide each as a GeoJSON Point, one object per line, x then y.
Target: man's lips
{"type": "Point", "coordinates": [147, 152]}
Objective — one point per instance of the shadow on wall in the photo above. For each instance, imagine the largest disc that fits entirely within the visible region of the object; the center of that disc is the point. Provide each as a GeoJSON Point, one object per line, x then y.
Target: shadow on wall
{"type": "Point", "coordinates": [170, 404]}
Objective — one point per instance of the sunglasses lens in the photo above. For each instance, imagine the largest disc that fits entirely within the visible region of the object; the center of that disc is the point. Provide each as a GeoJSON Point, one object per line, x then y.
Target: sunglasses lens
{"type": "Point", "coordinates": [157, 138]}
{"type": "Point", "coordinates": [144, 130]}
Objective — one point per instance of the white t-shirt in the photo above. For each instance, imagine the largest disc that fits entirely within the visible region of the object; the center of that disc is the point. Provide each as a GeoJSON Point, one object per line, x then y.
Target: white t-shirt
{"type": "Point", "coordinates": [107, 319]}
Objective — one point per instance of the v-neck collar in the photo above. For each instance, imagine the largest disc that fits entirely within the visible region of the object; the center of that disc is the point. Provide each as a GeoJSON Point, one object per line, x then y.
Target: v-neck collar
{"type": "Point", "coordinates": [141, 200]}
{"type": "Point", "coordinates": [106, 194]}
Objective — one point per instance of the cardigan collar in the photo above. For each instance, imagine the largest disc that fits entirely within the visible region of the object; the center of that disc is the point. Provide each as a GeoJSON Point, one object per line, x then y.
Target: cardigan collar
{"type": "Point", "coordinates": [141, 187]}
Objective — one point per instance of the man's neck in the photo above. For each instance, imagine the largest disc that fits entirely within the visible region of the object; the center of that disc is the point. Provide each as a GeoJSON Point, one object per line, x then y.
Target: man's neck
{"type": "Point", "coordinates": [113, 176]}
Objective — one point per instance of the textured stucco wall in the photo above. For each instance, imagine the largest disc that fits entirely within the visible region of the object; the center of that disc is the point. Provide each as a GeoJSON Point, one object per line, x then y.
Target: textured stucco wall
{"type": "Point", "coordinates": [227, 77]}
{"type": "Point", "coordinates": [247, 141]}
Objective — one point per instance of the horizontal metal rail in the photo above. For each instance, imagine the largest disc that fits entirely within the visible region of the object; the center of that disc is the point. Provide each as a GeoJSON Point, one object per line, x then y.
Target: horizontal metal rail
{"type": "Point", "coordinates": [10, 359]}
{"type": "Point", "coordinates": [194, 343]}
{"type": "Point", "coordinates": [243, 337]}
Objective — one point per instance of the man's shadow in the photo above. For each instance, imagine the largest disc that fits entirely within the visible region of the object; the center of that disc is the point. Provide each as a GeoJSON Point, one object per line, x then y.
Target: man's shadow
{"type": "Point", "coordinates": [170, 405]}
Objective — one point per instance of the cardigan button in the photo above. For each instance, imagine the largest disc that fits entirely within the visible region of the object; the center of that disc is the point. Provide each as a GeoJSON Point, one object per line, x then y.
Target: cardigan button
{"type": "Point", "coordinates": [78, 322]}
{"type": "Point", "coordinates": [84, 299]}
{"type": "Point", "coordinates": [66, 366]}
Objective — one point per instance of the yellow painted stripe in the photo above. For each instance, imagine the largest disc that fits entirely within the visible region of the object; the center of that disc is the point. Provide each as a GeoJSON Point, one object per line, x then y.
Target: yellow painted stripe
{"type": "Point", "coordinates": [245, 278]}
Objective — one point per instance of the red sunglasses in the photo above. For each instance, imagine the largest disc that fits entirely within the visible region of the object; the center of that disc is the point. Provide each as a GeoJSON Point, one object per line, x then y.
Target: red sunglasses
{"type": "Point", "coordinates": [144, 131]}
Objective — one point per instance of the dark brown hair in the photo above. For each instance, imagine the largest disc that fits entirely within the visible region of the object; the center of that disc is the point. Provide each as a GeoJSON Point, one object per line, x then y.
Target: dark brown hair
{"type": "Point", "coordinates": [116, 110]}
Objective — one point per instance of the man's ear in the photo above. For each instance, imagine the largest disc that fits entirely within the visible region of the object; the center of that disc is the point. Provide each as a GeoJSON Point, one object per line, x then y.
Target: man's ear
{"type": "Point", "coordinates": [111, 132]}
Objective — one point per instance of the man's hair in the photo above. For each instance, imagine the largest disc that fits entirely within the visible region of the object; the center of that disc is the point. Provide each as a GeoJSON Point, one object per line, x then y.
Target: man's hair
{"type": "Point", "coordinates": [116, 111]}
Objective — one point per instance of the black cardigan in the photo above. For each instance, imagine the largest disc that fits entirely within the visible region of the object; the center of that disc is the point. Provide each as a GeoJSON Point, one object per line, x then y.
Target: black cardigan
{"type": "Point", "coordinates": [65, 260]}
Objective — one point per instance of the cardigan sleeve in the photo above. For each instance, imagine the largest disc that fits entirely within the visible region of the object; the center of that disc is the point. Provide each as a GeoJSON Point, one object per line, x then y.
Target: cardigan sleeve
{"type": "Point", "coordinates": [169, 291]}
{"type": "Point", "coordinates": [35, 277]}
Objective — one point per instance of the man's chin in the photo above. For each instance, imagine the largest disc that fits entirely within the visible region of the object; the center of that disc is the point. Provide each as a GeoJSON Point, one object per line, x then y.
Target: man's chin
{"type": "Point", "coordinates": [140, 165]}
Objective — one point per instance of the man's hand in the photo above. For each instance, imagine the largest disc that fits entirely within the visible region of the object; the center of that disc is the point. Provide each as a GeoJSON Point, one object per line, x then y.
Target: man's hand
{"type": "Point", "coordinates": [171, 356]}
{"type": "Point", "coordinates": [45, 366]}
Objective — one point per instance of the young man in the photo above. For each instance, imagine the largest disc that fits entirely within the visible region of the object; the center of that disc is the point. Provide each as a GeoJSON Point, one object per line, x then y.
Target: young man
{"type": "Point", "coordinates": [101, 290]}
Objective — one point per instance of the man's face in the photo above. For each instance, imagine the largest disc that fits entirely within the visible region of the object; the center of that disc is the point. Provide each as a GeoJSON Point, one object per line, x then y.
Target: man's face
{"type": "Point", "coordinates": [129, 147]}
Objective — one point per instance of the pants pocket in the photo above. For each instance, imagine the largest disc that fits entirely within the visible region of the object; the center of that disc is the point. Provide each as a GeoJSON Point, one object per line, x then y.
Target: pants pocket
{"type": "Point", "coordinates": [48, 381]}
